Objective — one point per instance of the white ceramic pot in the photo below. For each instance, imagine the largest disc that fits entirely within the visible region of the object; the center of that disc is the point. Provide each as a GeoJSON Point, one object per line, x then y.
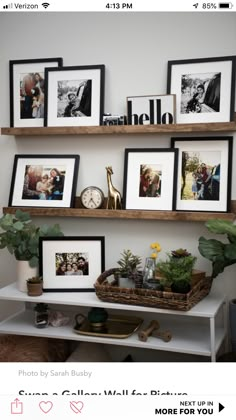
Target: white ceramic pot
{"type": "Point", "coordinates": [126, 282]}
{"type": "Point", "coordinates": [24, 272]}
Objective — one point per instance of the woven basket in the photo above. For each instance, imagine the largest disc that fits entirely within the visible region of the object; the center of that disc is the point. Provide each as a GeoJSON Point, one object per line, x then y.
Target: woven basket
{"type": "Point", "coordinates": [110, 292]}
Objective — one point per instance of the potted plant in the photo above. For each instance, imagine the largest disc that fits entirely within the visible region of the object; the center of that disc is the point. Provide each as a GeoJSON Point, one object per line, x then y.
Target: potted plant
{"type": "Point", "coordinates": [176, 271]}
{"type": "Point", "coordinates": [221, 255]}
{"type": "Point", "coordinates": [21, 237]}
{"type": "Point", "coordinates": [128, 271]}
{"type": "Point", "coordinates": [41, 315]}
{"type": "Point", "coordinates": [35, 286]}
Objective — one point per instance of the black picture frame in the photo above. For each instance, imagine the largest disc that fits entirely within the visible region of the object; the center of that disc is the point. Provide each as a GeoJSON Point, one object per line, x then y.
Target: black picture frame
{"type": "Point", "coordinates": [204, 173]}
{"type": "Point", "coordinates": [58, 255]}
{"type": "Point", "coordinates": [74, 96]}
{"type": "Point", "coordinates": [27, 93]}
{"type": "Point", "coordinates": [204, 88]}
{"type": "Point", "coordinates": [44, 181]}
{"type": "Point", "coordinates": [149, 179]}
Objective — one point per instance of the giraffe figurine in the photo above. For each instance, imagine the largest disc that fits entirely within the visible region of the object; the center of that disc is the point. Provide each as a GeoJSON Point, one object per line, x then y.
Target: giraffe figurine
{"type": "Point", "coordinates": [114, 196]}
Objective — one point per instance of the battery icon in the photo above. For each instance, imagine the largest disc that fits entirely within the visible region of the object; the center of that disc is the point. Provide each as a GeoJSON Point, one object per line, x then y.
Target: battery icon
{"type": "Point", "coordinates": [225, 5]}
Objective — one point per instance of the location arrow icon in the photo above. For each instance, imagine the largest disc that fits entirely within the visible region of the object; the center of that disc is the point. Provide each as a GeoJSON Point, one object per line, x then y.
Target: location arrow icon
{"type": "Point", "coordinates": [221, 407]}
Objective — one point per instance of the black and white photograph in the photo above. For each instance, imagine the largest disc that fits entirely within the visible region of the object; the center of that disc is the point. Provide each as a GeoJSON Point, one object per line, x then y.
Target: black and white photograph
{"type": "Point", "coordinates": [71, 263]}
{"type": "Point", "coordinates": [200, 93]}
{"type": "Point", "coordinates": [74, 98]}
{"type": "Point", "coordinates": [204, 173]}
{"type": "Point", "coordinates": [44, 180]}
{"type": "Point", "coordinates": [78, 93]}
{"type": "Point", "coordinates": [204, 89]}
{"type": "Point", "coordinates": [27, 91]}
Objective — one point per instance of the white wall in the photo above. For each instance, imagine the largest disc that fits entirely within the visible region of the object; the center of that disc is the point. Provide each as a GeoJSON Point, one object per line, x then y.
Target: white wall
{"type": "Point", "coordinates": [135, 48]}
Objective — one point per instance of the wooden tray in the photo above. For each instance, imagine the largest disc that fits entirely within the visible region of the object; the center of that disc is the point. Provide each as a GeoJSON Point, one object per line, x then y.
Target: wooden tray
{"type": "Point", "coordinates": [117, 326]}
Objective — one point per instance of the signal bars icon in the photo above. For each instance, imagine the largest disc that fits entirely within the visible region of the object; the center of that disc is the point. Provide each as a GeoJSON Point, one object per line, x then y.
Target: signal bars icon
{"type": "Point", "coordinates": [45, 5]}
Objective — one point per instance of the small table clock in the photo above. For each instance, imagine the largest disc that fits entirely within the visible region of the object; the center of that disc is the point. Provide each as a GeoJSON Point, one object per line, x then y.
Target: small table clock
{"type": "Point", "coordinates": [92, 197]}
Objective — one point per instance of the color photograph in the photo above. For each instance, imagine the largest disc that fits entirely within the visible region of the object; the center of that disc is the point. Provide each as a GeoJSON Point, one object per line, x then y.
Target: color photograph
{"type": "Point", "coordinates": [203, 181]}
{"type": "Point", "coordinates": [72, 264]}
{"type": "Point", "coordinates": [150, 181]}
{"type": "Point", "coordinates": [200, 175]}
{"type": "Point", "coordinates": [44, 180]}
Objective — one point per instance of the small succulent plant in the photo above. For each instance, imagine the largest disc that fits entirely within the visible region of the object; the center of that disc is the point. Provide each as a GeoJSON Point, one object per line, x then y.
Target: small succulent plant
{"type": "Point", "coordinates": [180, 253]}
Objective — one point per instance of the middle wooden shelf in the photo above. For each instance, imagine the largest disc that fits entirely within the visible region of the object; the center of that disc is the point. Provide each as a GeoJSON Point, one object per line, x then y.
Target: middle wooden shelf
{"type": "Point", "coordinates": [122, 214]}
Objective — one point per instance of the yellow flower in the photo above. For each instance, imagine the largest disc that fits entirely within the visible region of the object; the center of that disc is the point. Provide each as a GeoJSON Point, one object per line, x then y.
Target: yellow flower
{"type": "Point", "coordinates": [157, 246]}
{"type": "Point", "coordinates": [153, 255]}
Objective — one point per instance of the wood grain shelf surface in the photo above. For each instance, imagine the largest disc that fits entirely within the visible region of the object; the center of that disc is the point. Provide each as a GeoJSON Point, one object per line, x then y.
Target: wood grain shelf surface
{"type": "Point", "coordinates": [120, 129]}
{"type": "Point", "coordinates": [122, 214]}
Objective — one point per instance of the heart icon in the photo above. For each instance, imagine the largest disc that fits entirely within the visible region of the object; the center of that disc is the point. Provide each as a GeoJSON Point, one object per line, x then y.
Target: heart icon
{"type": "Point", "coordinates": [45, 406]}
{"type": "Point", "coordinates": [76, 406]}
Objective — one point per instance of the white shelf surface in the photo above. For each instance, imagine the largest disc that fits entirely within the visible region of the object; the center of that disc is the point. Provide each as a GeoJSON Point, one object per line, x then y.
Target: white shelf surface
{"type": "Point", "coordinates": [206, 308]}
{"type": "Point", "coordinates": [186, 337]}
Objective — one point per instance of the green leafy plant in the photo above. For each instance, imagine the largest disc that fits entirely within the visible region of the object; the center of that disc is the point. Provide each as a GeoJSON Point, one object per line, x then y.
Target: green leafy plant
{"type": "Point", "coordinates": [176, 269]}
{"type": "Point", "coordinates": [219, 253]}
{"type": "Point", "coordinates": [21, 237]}
{"type": "Point", "coordinates": [129, 264]}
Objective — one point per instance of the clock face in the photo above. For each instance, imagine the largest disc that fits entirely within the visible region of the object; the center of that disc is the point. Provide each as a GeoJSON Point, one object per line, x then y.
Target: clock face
{"type": "Point", "coordinates": [92, 198]}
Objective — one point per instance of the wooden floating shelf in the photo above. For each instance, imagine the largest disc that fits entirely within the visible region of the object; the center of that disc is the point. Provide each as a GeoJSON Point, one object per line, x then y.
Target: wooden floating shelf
{"type": "Point", "coordinates": [122, 214]}
{"type": "Point", "coordinates": [120, 129]}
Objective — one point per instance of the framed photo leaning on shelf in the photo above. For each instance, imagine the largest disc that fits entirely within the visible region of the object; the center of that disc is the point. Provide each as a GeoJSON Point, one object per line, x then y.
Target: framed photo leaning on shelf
{"type": "Point", "coordinates": [204, 89]}
{"type": "Point", "coordinates": [74, 96]}
{"type": "Point", "coordinates": [204, 173]}
{"type": "Point", "coordinates": [27, 90]}
{"type": "Point", "coordinates": [44, 181]}
{"type": "Point", "coordinates": [149, 179]}
{"type": "Point", "coordinates": [72, 263]}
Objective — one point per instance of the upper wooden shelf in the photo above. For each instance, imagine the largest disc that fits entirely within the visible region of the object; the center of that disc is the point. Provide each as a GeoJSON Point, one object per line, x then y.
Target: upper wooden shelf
{"type": "Point", "coordinates": [120, 129]}
{"type": "Point", "coordinates": [122, 214]}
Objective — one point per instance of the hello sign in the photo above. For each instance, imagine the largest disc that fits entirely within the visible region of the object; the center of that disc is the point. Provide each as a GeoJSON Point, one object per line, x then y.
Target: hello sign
{"type": "Point", "coordinates": [155, 109]}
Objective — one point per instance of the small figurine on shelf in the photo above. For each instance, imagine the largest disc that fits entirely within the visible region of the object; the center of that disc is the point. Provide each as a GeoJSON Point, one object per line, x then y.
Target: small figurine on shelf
{"type": "Point", "coordinates": [114, 196]}
{"type": "Point", "coordinates": [41, 315]}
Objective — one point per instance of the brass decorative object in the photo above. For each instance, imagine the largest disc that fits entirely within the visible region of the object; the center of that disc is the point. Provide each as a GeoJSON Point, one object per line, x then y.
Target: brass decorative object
{"type": "Point", "coordinates": [114, 196]}
{"type": "Point", "coordinates": [117, 326]}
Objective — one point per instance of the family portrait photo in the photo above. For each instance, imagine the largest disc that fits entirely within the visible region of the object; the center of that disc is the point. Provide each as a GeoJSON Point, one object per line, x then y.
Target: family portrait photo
{"type": "Point", "coordinates": [200, 175]}
{"type": "Point", "coordinates": [204, 88]}
{"type": "Point", "coordinates": [31, 95]}
{"type": "Point", "coordinates": [200, 93]}
{"type": "Point", "coordinates": [74, 98]}
{"type": "Point", "coordinates": [43, 182]}
{"type": "Point", "coordinates": [203, 181]}
{"type": "Point", "coordinates": [150, 180]}
{"type": "Point", "coordinates": [72, 264]}
{"type": "Point", "coordinates": [28, 90]}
